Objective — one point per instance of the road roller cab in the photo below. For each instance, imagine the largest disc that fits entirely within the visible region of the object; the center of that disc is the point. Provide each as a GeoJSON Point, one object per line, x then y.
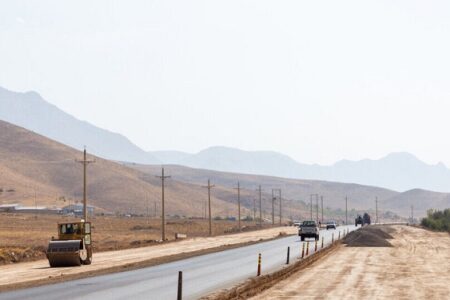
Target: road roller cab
{"type": "Point", "coordinates": [72, 247]}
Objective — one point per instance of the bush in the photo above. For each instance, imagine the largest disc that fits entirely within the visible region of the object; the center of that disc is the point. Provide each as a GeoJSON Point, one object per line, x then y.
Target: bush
{"type": "Point", "coordinates": [437, 220]}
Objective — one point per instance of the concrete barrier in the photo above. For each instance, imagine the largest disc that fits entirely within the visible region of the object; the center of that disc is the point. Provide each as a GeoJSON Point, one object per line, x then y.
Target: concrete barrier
{"type": "Point", "coordinates": [179, 236]}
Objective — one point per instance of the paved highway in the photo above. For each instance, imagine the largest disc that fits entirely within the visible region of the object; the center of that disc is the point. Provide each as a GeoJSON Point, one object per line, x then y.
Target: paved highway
{"type": "Point", "coordinates": [201, 275]}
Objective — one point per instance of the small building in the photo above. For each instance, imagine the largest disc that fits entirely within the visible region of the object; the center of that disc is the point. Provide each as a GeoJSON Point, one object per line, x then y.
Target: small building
{"type": "Point", "coordinates": [9, 207]}
{"type": "Point", "coordinates": [77, 209]}
{"type": "Point", "coordinates": [17, 208]}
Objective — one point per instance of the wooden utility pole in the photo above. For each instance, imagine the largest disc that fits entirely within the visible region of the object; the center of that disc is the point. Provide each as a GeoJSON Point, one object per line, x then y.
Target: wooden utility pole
{"type": "Point", "coordinates": [254, 210]}
{"type": "Point", "coordinates": [163, 217]}
{"type": "Point", "coordinates": [376, 209]}
{"type": "Point", "coordinates": [260, 206]}
{"type": "Point", "coordinates": [85, 162]}
{"type": "Point", "coordinates": [273, 208]}
{"type": "Point", "coordinates": [239, 204]}
{"type": "Point", "coordinates": [346, 211]}
{"type": "Point", "coordinates": [281, 215]}
{"type": "Point", "coordinates": [209, 186]}
{"type": "Point", "coordinates": [321, 205]}
{"type": "Point", "coordinates": [317, 208]}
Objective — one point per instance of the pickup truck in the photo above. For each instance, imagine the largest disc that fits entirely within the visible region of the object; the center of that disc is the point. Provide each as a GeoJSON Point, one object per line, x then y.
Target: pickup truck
{"type": "Point", "coordinates": [309, 229]}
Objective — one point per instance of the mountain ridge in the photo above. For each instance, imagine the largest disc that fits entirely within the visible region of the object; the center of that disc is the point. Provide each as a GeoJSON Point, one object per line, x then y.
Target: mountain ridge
{"type": "Point", "coordinates": [399, 171]}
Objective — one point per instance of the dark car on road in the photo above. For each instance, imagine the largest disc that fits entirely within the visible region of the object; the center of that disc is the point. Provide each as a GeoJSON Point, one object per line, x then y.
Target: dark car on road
{"type": "Point", "coordinates": [309, 229]}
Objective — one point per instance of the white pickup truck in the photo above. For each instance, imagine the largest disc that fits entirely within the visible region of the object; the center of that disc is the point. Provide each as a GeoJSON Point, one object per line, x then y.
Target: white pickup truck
{"type": "Point", "coordinates": [309, 229]}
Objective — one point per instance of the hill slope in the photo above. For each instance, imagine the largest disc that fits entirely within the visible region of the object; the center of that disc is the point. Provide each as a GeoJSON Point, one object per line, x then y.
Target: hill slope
{"type": "Point", "coordinates": [31, 163]}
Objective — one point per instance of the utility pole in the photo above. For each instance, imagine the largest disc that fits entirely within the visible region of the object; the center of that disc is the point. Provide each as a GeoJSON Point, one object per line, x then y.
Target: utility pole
{"type": "Point", "coordinates": [346, 213]}
{"type": "Point", "coordinates": [209, 186]}
{"type": "Point", "coordinates": [35, 203]}
{"type": "Point", "coordinates": [254, 209]}
{"type": "Point", "coordinates": [280, 206]}
{"type": "Point", "coordinates": [163, 217]}
{"type": "Point", "coordinates": [260, 206]}
{"type": "Point", "coordinates": [273, 205]}
{"type": "Point", "coordinates": [317, 208]}
{"type": "Point", "coordinates": [85, 162]}
{"type": "Point", "coordinates": [273, 208]}
{"type": "Point", "coordinates": [239, 205]}
{"type": "Point", "coordinates": [321, 202]}
{"type": "Point", "coordinates": [148, 210]}
{"type": "Point", "coordinates": [376, 209]}
{"type": "Point", "coordinates": [311, 204]}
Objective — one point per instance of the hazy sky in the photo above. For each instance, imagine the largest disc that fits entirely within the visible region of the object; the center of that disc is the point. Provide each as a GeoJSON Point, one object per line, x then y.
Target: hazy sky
{"type": "Point", "coordinates": [317, 80]}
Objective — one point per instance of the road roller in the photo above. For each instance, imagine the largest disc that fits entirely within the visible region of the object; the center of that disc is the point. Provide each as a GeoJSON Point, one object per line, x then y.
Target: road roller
{"type": "Point", "coordinates": [72, 247]}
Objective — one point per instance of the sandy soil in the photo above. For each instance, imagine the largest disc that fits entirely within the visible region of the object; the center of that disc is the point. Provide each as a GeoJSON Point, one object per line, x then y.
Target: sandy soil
{"type": "Point", "coordinates": [417, 267]}
{"type": "Point", "coordinates": [16, 274]}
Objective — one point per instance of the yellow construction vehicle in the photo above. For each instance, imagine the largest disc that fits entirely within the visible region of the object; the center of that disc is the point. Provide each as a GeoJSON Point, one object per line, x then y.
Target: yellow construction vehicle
{"type": "Point", "coordinates": [72, 247]}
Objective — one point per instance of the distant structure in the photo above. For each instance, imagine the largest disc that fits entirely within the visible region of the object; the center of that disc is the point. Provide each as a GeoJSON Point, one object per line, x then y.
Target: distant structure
{"type": "Point", "coordinates": [77, 209]}
{"type": "Point", "coordinates": [17, 208]}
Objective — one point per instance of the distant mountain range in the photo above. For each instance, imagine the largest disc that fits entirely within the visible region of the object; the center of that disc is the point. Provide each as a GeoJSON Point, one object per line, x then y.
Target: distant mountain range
{"type": "Point", "coordinates": [31, 111]}
{"type": "Point", "coordinates": [396, 171]}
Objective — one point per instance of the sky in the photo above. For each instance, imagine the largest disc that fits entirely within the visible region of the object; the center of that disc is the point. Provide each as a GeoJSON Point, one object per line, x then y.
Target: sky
{"type": "Point", "coordinates": [317, 80]}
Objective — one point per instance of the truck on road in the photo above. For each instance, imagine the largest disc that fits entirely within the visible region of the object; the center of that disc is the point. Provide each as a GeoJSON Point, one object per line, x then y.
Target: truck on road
{"type": "Point", "coordinates": [309, 229]}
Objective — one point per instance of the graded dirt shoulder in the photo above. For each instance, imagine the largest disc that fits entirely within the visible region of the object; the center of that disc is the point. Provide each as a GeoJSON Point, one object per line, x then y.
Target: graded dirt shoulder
{"type": "Point", "coordinates": [416, 267]}
{"type": "Point", "coordinates": [39, 272]}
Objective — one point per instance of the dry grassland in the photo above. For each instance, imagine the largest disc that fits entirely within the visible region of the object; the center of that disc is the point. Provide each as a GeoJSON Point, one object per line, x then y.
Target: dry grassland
{"type": "Point", "coordinates": [24, 237]}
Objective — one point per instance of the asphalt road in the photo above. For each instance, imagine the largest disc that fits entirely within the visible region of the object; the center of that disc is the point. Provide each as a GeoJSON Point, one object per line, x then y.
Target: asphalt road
{"type": "Point", "coordinates": [201, 275]}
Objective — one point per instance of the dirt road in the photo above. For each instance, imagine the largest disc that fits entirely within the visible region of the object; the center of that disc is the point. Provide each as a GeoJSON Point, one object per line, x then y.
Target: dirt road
{"type": "Point", "coordinates": [417, 267]}
{"type": "Point", "coordinates": [39, 270]}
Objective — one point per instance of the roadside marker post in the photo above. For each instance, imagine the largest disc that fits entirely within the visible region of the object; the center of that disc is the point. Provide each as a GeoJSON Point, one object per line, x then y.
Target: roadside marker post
{"type": "Point", "coordinates": [259, 265]}
{"type": "Point", "coordinates": [339, 235]}
{"type": "Point", "coordinates": [307, 248]}
{"type": "Point", "coordinates": [322, 241]}
{"type": "Point", "coordinates": [180, 285]}
{"type": "Point", "coordinates": [303, 250]}
{"type": "Point", "coordinates": [315, 246]}
{"type": "Point", "coordinates": [287, 258]}
{"type": "Point", "coordinates": [332, 238]}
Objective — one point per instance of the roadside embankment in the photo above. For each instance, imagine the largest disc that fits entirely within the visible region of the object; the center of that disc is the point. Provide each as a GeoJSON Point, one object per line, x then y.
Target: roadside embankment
{"type": "Point", "coordinates": [415, 266]}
